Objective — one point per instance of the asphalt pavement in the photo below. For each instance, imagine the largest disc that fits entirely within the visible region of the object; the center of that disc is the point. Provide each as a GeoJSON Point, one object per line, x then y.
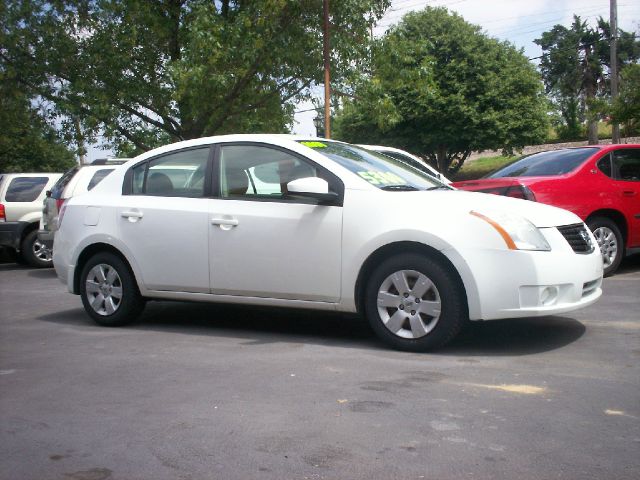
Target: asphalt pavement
{"type": "Point", "coordinates": [201, 391]}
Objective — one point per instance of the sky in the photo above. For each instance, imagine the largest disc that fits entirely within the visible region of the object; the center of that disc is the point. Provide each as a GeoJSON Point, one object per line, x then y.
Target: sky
{"type": "Point", "coordinates": [517, 21]}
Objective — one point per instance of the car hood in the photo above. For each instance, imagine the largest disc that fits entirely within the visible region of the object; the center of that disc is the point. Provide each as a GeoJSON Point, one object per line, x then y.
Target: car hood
{"type": "Point", "coordinates": [458, 202]}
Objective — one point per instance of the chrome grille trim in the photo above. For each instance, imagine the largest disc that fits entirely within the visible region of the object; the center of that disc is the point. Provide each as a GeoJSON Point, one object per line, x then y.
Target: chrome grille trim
{"type": "Point", "coordinates": [578, 237]}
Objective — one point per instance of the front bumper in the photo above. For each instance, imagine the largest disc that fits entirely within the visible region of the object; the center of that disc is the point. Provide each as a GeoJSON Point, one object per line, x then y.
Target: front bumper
{"type": "Point", "coordinates": [518, 283]}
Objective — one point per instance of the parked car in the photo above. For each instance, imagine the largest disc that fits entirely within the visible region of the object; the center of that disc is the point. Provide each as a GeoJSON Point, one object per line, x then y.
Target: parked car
{"type": "Point", "coordinates": [79, 179]}
{"type": "Point", "coordinates": [21, 196]}
{"type": "Point", "coordinates": [600, 184]}
{"type": "Point", "coordinates": [408, 158]}
{"type": "Point", "coordinates": [311, 223]}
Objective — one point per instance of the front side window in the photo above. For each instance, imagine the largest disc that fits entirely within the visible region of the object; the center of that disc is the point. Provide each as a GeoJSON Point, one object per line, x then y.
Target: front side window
{"type": "Point", "coordinates": [179, 174]}
{"type": "Point", "coordinates": [259, 172]}
{"type": "Point", "coordinates": [25, 189]}
{"type": "Point", "coordinates": [544, 164]}
{"type": "Point", "coordinates": [626, 163]}
{"type": "Point", "coordinates": [380, 170]}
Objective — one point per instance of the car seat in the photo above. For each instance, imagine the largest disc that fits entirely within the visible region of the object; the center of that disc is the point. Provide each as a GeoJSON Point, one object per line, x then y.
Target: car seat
{"type": "Point", "coordinates": [159, 184]}
{"type": "Point", "coordinates": [237, 182]}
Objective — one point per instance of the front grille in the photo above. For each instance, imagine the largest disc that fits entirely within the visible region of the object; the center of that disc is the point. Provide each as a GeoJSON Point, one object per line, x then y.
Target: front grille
{"type": "Point", "coordinates": [578, 237]}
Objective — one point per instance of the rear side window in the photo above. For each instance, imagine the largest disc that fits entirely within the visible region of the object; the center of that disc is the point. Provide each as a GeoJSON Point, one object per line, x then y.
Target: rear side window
{"type": "Point", "coordinates": [626, 163]}
{"type": "Point", "coordinates": [545, 164]}
{"type": "Point", "coordinates": [58, 188]}
{"type": "Point", "coordinates": [98, 177]}
{"type": "Point", "coordinates": [25, 189]}
{"type": "Point", "coordinates": [179, 174]}
{"type": "Point", "coordinates": [604, 165]}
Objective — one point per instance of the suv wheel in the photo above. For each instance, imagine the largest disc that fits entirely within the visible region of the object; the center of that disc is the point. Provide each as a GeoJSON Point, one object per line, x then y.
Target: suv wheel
{"type": "Point", "coordinates": [413, 303]}
{"type": "Point", "coordinates": [34, 252]}
{"type": "Point", "coordinates": [109, 292]}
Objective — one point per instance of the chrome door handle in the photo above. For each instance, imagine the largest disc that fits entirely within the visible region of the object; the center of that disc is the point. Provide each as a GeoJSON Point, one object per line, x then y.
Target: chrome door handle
{"type": "Point", "coordinates": [228, 222]}
{"type": "Point", "coordinates": [132, 215]}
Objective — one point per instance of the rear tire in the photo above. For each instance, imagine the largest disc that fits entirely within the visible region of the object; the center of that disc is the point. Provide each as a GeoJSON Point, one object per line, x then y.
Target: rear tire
{"type": "Point", "coordinates": [109, 291]}
{"type": "Point", "coordinates": [610, 242]}
{"type": "Point", "coordinates": [414, 303]}
{"type": "Point", "coordinates": [34, 252]}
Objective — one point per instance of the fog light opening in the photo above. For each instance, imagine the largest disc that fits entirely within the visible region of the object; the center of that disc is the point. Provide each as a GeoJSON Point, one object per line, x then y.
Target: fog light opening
{"type": "Point", "coordinates": [548, 296]}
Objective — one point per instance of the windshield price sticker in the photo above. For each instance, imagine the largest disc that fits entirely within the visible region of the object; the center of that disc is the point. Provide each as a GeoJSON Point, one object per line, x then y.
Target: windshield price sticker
{"type": "Point", "coordinates": [381, 178]}
{"type": "Point", "coordinates": [314, 144]}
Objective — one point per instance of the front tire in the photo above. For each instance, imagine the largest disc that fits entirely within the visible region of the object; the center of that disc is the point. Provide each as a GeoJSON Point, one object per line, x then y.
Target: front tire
{"type": "Point", "coordinates": [610, 242]}
{"type": "Point", "coordinates": [414, 303]}
{"type": "Point", "coordinates": [109, 292]}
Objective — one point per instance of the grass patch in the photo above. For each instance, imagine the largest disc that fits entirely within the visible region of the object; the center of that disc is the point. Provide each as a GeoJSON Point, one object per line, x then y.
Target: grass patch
{"type": "Point", "coordinates": [482, 166]}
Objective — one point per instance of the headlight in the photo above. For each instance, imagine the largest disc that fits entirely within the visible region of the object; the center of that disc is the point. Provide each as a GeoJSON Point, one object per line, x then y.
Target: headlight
{"type": "Point", "coordinates": [517, 232]}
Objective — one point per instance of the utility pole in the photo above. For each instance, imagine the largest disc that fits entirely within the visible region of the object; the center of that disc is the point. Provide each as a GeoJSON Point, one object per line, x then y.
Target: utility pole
{"type": "Point", "coordinates": [327, 80]}
{"type": "Point", "coordinates": [613, 10]}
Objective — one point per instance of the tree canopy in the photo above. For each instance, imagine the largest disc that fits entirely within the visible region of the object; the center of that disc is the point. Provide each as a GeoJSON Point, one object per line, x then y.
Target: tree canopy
{"type": "Point", "coordinates": [575, 68]}
{"type": "Point", "coordinates": [441, 88]}
{"type": "Point", "coordinates": [27, 142]}
{"type": "Point", "coordinates": [626, 107]}
{"type": "Point", "coordinates": [147, 72]}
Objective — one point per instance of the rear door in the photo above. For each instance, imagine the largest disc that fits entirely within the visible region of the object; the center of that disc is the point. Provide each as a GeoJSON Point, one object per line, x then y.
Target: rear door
{"type": "Point", "coordinates": [164, 220]}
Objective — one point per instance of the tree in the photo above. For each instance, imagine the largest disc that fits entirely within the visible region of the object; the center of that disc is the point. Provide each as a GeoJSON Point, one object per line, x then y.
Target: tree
{"type": "Point", "coordinates": [575, 68]}
{"type": "Point", "coordinates": [149, 72]}
{"type": "Point", "coordinates": [27, 142]}
{"type": "Point", "coordinates": [626, 107]}
{"type": "Point", "coordinates": [441, 88]}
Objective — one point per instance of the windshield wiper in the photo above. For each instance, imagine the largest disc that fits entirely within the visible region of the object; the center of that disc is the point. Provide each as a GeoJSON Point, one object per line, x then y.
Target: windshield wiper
{"type": "Point", "coordinates": [440, 187]}
{"type": "Point", "coordinates": [399, 188]}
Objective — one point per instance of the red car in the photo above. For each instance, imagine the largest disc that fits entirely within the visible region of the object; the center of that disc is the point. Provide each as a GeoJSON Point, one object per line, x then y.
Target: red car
{"type": "Point", "coordinates": [601, 184]}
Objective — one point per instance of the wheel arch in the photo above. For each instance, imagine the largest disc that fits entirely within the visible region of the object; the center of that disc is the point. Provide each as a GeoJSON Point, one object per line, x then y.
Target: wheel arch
{"type": "Point", "coordinates": [91, 250]}
{"type": "Point", "coordinates": [614, 215]}
{"type": "Point", "coordinates": [387, 251]}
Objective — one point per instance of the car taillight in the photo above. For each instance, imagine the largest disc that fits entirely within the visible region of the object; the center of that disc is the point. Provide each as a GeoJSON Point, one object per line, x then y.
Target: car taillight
{"type": "Point", "coordinates": [59, 202]}
{"type": "Point", "coordinates": [3, 216]}
{"type": "Point", "coordinates": [517, 191]}
{"type": "Point", "coordinates": [521, 191]}
{"type": "Point", "coordinates": [61, 209]}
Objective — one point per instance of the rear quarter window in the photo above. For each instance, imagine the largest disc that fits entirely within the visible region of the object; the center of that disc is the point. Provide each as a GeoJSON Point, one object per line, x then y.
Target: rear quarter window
{"type": "Point", "coordinates": [98, 177]}
{"type": "Point", "coordinates": [25, 189]}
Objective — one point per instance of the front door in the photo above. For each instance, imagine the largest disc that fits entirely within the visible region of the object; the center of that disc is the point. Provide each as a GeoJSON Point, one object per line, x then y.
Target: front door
{"type": "Point", "coordinates": [264, 242]}
{"type": "Point", "coordinates": [626, 166]}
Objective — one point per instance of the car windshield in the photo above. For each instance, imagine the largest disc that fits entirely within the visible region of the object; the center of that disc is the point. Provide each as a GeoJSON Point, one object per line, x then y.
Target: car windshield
{"type": "Point", "coordinates": [380, 170]}
{"type": "Point", "coordinates": [545, 164]}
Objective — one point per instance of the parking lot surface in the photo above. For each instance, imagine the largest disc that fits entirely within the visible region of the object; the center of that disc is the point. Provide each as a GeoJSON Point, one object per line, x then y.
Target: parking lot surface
{"type": "Point", "coordinates": [201, 391]}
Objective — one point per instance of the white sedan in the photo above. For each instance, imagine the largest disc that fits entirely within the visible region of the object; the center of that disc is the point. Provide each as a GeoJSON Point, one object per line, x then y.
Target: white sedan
{"type": "Point", "coordinates": [286, 221]}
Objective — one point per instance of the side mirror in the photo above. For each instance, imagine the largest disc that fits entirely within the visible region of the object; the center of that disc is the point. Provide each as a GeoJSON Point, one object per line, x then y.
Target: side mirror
{"type": "Point", "coordinates": [312, 187]}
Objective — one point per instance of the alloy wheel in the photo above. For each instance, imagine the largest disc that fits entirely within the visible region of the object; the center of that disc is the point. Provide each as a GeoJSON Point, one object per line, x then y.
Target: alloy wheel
{"type": "Point", "coordinates": [104, 289]}
{"type": "Point", "coordinates": [409, 304]}
{"type": "Point", "coordinates": [608, 244]}
{"type": "Point", "coordinates": [41, 251]}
